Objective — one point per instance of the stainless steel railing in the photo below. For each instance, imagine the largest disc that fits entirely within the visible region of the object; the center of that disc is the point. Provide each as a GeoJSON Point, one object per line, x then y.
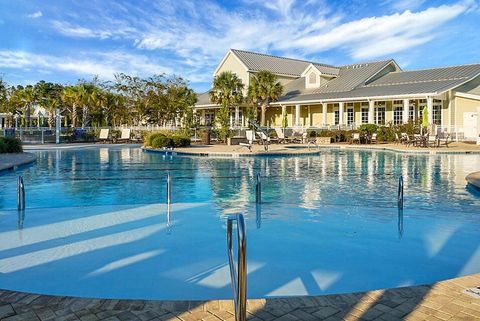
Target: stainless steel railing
{"type": "Point", "coordinates": [169, 188]}
{"type": "Point", "coordinates": [238, 275]}
{"type": "Point", "coordinates": [400, 193]}
{"type": "Point", "coordinates": [258, 189]}
{"type": "Point", "coordinates": [20, 194]}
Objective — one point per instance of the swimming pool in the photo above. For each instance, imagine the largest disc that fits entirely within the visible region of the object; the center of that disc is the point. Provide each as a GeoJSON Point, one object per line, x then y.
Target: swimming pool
{"type": "Point", "coordinates": [96, 223]}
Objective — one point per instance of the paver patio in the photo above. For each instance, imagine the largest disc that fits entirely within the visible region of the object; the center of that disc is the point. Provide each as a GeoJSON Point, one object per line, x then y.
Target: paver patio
{"type": "Point", "coordinates": [444, 300]}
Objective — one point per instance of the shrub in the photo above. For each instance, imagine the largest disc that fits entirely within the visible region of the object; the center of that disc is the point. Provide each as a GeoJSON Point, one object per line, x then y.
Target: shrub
{"type": "Point", "coordinates": [10, 145]}
{"type": "Point", "coordinates": [368, 128]}
{"type": "Point", "coordinates": [160, 141]}
{"type": "Point", "coordinates": [166, 139]}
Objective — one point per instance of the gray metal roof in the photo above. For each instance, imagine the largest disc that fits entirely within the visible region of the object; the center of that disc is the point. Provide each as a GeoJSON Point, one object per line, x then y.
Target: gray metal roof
{"type": "Point", "coordinates": [204, 99]}
{"type": "Point", "coordinates": [279, 65]}
{"type": "Point", "coordinates": [463, 72]}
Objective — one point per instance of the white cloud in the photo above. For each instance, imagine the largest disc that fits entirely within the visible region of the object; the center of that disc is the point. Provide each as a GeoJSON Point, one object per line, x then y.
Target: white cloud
{"type": "Point", "coordinates": [103, 64]}
{"type": "Point", "coordinates": [35, 15]}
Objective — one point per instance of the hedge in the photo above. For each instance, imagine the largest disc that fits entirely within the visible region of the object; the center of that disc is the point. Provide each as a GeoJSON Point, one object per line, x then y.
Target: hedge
{"type": "Point", "coordinates": [159, 140]}
{"type": "Point", "coordinates": [10, 145]}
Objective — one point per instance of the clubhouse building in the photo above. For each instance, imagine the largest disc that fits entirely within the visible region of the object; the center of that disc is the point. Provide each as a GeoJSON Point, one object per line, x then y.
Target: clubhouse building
{"type": "Point", "coordinates": [317, 95]}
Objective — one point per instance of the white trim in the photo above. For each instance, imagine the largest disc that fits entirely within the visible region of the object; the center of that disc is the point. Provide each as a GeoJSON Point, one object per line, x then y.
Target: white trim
{"type": "Point", "coordinates": [466, 95]}
{"type": "Point", "coordinates": [354, 99]}
{"type": "Point", "coordinates": [225, 58]}
{"type": "Point", "coordinates": [304, 73]}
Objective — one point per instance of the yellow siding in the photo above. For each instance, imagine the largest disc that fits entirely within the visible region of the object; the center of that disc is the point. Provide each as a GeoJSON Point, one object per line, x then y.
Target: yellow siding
{"type": "Point", "coordinates": [234, 65]}
{"type": "Point", "coordinates": [316, 111]}
{"type": "Point", "coordinates": [464, 105]}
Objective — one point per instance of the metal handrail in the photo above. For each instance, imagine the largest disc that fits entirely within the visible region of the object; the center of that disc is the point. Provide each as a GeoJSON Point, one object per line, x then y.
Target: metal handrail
{"type": "Point", "coordinates": [238, 275]}
{"type": "Point", "coordinates": [169, 188]}
{"type": "Point", "coordinates": [20, 194]}
{"type": "Point", "coordinates": [258, 189]}
{"type": "Point", "coordinates": [400, 192]}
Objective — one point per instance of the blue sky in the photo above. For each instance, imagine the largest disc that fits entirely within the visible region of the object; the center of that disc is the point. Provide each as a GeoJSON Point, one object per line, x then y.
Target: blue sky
{"type": "Point", "coordinates": [63, 41]}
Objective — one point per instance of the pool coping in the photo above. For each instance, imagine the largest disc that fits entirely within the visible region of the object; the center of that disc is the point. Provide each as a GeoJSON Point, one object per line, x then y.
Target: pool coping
{"type": "Point", "coordinates": [303, 151]}
{"type": "Point", "coordinates": [449, 299]}
{"type": "Point", "coordinates": [21, 159]}
{"type": "Point", "coordinates": [474, 179]}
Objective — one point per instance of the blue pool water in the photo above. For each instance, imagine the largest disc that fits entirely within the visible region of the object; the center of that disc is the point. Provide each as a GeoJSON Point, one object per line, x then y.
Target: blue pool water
{"type": "Point", "coordinates": [96, 223]}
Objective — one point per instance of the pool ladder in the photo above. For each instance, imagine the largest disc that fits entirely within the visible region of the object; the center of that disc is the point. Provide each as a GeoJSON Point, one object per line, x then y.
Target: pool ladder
{"type": "Point", "coordinates": [400, 193]}
{"type": "Point", "coordinates": [238, 275]}
{"type": "Point", "coordinates": [20, 194]}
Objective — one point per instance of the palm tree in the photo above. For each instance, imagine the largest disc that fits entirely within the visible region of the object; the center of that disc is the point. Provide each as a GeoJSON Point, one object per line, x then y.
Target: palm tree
{"type": "Point", "coordinates": [264, 89]}
{"type": "Point", "coordinates": [27, 97]}
{"type": "Point", "coordinates": [51, 106]}
{"type": "Point", "coordinates": [226, 92]}
{"type": "Point", "coordinates": [72, 98]}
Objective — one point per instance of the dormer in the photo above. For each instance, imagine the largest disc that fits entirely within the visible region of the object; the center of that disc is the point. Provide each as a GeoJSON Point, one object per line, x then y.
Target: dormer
{"type": "Point", "coordinates": [312, 77]}
{"type": "Point", "coordinates": [315, 76]}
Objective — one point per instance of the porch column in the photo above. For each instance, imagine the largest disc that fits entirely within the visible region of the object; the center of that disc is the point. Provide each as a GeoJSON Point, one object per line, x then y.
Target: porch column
{"type": "Point", "coordinates": [406, 110]}
{"type": "Point", "coordinates": [297, 115]}
{"type": "Point", "coordinates": [237, 116]}
{"type": "Point", "coordinates": [324, 114]}
{"type": "Point", "coordinates": [340, 113]}
{"type": "Point", "coordinates": [371, 110]}
{"type": "Point", "coordinates": [309, 116]}
{"type": "Point", "coordinates": [430, 110]}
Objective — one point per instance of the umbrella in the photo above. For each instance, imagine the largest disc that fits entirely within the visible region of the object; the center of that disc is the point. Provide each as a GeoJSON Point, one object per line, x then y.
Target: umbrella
{"type": "Point", "coordinates": [425, 117]}
{"type": "Point", "coordinates": [284, 120]}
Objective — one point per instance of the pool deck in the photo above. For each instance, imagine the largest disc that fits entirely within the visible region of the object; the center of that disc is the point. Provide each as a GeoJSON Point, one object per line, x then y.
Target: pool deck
{"type": "Point", "coordinates": [10, 161]}
{"type": "Point", "coordinates": [445, 300]}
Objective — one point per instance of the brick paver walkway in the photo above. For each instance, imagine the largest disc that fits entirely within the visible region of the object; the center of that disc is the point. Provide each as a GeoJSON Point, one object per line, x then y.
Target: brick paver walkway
{"type": "Point", "coordinates": [441, 301]}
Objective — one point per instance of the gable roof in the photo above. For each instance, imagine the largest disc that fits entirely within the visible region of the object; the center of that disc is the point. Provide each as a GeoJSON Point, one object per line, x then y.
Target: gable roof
{"type": "Point", "coordinates": [278, 65]}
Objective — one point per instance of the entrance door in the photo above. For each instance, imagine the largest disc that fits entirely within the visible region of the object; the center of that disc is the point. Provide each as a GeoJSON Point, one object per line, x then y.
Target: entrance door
{"type": "Point", "coordinates": [470, 125]}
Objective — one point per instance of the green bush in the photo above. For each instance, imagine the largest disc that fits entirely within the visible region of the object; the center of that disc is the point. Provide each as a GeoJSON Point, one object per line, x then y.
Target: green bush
{"type": "Point", "coordinates": [161, 141]}
{"type": "Point", "coordinates": [368, 128]}
{"type": "Point", "coordinates": [166, 139]}
{"type": "Point", "coordinates": [10, 145]}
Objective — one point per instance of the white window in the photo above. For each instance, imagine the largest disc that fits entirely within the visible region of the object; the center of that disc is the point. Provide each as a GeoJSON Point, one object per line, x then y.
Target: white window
{"type": "Point", "coordinates": [364, 115]}
{"type": "Point", "coordinates": [422, 103]}
{"type": "Point", "coordinates": [379, 113]}
{"type": "Point", "coordinates": [336, 118]}
{"type": "Point", "coordinates": [209, 118]}
{"type": "Point", "coordinates": [397, 112]}
{"type": "Point", "coordinates": [437, 112]}
{"type": "Point", "coordinates": [350, 114]}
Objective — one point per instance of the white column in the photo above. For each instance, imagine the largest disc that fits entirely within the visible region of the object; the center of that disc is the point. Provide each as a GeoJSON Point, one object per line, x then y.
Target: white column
{"type": "Point", "coordinates": [324, 114]}
{"type": "Point", "coordinates": [430, 110]}
{"type": "Point", "coordinates": [371, 110]}
{"type": "Point", "coordinates": [237, 116]}
{"type": "Point", "coordinates": [58, 126]}
{"type": "Point", "coordinates": [284, 112]}
{"type": "Point", "coordinates": [309, 116]}
{"type": "Point", "coordinates": [297, 115]}
{"type": "Point", "coordinates": [450, 109]}
{"type": "Point", "coordinates": [340, 113]}
{"type": "Point", "coordinates": [406, 110]}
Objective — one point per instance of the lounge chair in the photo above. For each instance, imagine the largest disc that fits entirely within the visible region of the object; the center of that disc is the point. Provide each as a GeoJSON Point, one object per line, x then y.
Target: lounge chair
{"type": "Point", "coordinates": [432, 141]}
{"type": "Point", "coordinates": [445, 140]}
{"type": "Point", "coordinates": [280, 135]}
{"type": "Point", "coordinates": [264, 137]}
{"type": "Point", "coordinates": [104, 135]}
{"type": "Point", "coordinates": [125, 135]}
{"type": "Point", "coordinates": [355, 138]}
{"type": "Point", "coordinates": [373, 139]}
{"type": "Point", "coordinates": [397, 139]}
{"type": "Point", "coordinates": [250, 138]}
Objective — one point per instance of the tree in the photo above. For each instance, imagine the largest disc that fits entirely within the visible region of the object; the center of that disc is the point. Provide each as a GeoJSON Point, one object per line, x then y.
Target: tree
{"type": "Point", "coordinates": [226, 92]}
{"type": "Point", "coordinates": [264, 89]}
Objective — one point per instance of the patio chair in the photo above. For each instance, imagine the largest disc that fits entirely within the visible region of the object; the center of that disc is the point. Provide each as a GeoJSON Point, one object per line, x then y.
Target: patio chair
{"type": "Point", "coordinates": [280, 135]}
{"type": "Point", "coordinates": [397, 139]}
{"type": "Point", "coordinates": [263, 137]}
{"type": "Point", "coordinates": [250, 138]}
{"type": "Point", "coordinates": [355, 138]}
{"type": "Point", "coordinates": [125, 135]}
{"type": "Point", "coordinates": [104, 135]}
{"type": "Point", "coordinates": [373, 139]}
{"type": "Point", "coordinates": [445, 140]}
{"type": "Point", "coordinates": [296, 137]}
{"type": "Point", "coordinates": [432, 141]}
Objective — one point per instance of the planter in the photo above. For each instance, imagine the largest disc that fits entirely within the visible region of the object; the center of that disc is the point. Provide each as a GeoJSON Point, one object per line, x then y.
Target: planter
{"type": "Point", "coordinates": [236, 140]}
{"type": "Point", "coordinates": [323, 140]}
